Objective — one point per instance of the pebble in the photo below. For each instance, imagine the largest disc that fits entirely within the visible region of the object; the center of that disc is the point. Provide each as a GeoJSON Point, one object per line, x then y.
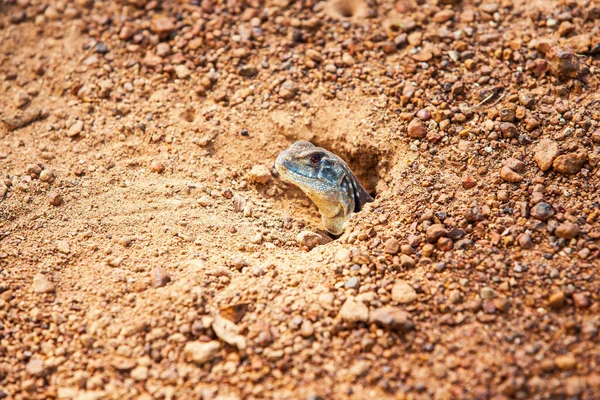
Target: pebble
{"type": "Point", "coordinates": [487, 293]}
{"type": "Point", "coordinates": [562, 62]}
{"type": "Point", "coordinates": [509, 175]}
{"type": "Point", "coordinates": [416, 129]}
{"type": "Point", "coordinates": [566, 362]}
{"type": "Point", "coordinates": [287, 90]}
{"type": "Point", "coordinates": [22, 119]}
{"type": "Point", "coordinates": [556, 300]}
{"type": "Point", "coordinates": [545, 153]}
{"type": "Point", "coordinates": [570, 164]}
{"type": "Point", "coordinates": [392, 318]}
{"type": "Point", "coordinates": [41, 284]}
{"type": "Point", "coordinates": [121, 363]}
{"type": "Point", "coordinates": [162, 26]}
{"type": "Point", "coordinates": [468, 182]}
{"type": "Point", "coordinates": [260, 174]}
{"type": "Point", "coordinates": [157, 167]}
{"type": "Point", "coordinates": [163, 49]}
{"type": "Point", "coordinates": [33, 170]}
{"type": "Point", "coordinates": [139, 373]}
{"type": "Point", "coordinates": [160, 277]}
{"type": "Point", "coordinates": [311, 239]}
{"type": "Point", "coordinates": [354, 311]}
{"type": "Point", "coordinates": [391, 246]}
{"type": "Point", "coordinates": [352, 283]}
{"type": "Point", "coordinates": [581, 300]}
{"type": "Point", "coordinates": [182, 71]}
{"type": "Point", "coordinates": [403, 292]}
{"type": "Point", "coordinates": [567, 230]}
{"type": "Point", "coordinates": [515, 165]}
{"type": "Point", "coordinates": [435, 231]}
{"type": "Point", "coordinates": [228, 332]}
{"type": "Point", "coordinates": [75, 129]}
{"type": "Point", "coordinates": [47, 175]}
{"type": "Point", "coordinates": [35, 367]}
{"type": "Point", "coordinates": [307, 329]}
{"type": "Point", "coordinates": [63, 246]}
{"type": "Point", "coordinates": [407, 261]}
{"type": "Point", "coordinates": [201, 352]}
{"type": "Point", "coordinates": [542, 211]}
{"type": "Point", "coordinates": [314, 55]}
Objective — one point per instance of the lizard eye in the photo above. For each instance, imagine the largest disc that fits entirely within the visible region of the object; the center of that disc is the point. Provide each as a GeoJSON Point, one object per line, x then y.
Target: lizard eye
{"type": "Point", "coordinates": [315, 158]}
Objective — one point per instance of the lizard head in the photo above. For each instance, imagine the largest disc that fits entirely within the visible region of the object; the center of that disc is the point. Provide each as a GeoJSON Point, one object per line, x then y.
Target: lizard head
{"type": "Point", "coordinates": [313, 169]}
{"type": "Point", "coordinates": [324, 177]}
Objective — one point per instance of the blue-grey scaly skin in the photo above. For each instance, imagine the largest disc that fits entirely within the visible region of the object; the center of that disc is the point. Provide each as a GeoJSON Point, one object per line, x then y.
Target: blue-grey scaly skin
{"type": "Point", "coordinates": [326, 180]}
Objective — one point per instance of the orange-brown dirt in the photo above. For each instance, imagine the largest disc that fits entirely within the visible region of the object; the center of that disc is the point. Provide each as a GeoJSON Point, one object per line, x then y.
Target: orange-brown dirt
{"type": "Point", "coordinates": [141, 258]}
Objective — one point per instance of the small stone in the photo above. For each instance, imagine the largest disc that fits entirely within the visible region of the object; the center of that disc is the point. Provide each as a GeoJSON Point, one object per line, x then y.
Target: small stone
{"type": "Point", "coordinates": [542, 211]}
{"type": "Point", "coordinates": [407, 261]}
{"type": "Point", "coordinates": [392, 318]}
{"type": "Point", "coordinates": [287, 90]}
{"type": "Point", "coordinates": [562, 62]}
{"type": "Point", "coordinates": [354, 311]}
{"type": "Point", "coordinates": [391, 246]}
{"type": "Point", "coordinates": [443, 15]}
{"type": "Point", "coordinates": [157, 167]}
{"type": "Point", "coordinates": [228, 332]}
{"type": "Point", "coordinates": [63, 246]}
{"type": "Point", "coordinates": [33, 170]}
{"type": "Point", "coordinates": [509, 175]}
{"type": "Point", "coordinates": [55, 199]}
{"type": "Point", "coordinates": [162, 26]}
{"type": "Point", "coordinates": [353, 283]}
{"type": "Point", "coordinates": [567, 230]}
{"type": "Point", "coordinates": [182, 71]}
{"type": "Point", "coordinates": [570, 164]}
{"type": "Point", "coordinates": [445, 244]}
{"type": "Point", "coordinates": [201, 352]}
{"type": "Point", "coordinates": [487, 293]}
{"type": "Point", "coordinates": [388, 47]}
{"type": "Point", "coordinates": [35, 367]}
{"type": "Point", "coordinates": [47, 175]}
{"type": "Point", "coordinates": [515, 164]}
{"type": "Point", "coordinates": [122, 363]}
{"type": "Point", "coordinates": [525, 241]}
{"type": "Point", "coordinates": [416, 129]}
{"type": "Point", "coordinates": [424, 114]}
{"type": "Point", "coordinates": [348, 60]}
{"type": "Point", "coordinates": [575, 386]}
{"type": "Point", "coordinates": [403, 292]}
{"type": "Point", "coordinates": [468, 182]}
{"type": "Point", "coordinates": [307, 329]}
{"type": "Point", "coordinates": [139, 373]}
{"type": "Point", "coordinates": [75, 129]}
{"type": "Point", "coordinates": [311, 239]}
{"type": "Point", "coordinates": [163, 49]}
{"type": "Point", "coordinates": [260, 174]}
{"type": "Point", "coordinates": [581, 300]}
{"type": "Point", "coordinates": [566, 362]}
{"type": "Point", "coordinates": [160, 277]}
{"type": "Point", "coordinates": [41, 284]}
{"type": "Point", "coordinates": [545, 153]}
{"type": "Point", "coordinates": [127, 33]}
{"type": "Point", "coordinates": [509, 130]}
{"type": "Point", "coordinates": [152, 60]}
{"type": "Point", "coordinates": [557, 300]}
{"type": "Point", "coordinates": [435, 231]}
{"type": "Point", "coordinates": [314, 55]}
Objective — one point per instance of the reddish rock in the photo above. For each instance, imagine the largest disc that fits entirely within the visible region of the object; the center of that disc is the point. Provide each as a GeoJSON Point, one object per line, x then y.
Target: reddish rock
{"type": "Point", "coordinates": [570, 164]}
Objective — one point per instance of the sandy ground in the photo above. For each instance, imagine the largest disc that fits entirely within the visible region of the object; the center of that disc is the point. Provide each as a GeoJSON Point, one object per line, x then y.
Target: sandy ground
{"type": "Point", "coordinates": [141, 258]}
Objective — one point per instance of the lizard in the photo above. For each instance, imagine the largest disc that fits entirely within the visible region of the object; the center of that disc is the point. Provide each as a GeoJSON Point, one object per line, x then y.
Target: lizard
{"type": "Point", "coordinates": [326, 179]}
